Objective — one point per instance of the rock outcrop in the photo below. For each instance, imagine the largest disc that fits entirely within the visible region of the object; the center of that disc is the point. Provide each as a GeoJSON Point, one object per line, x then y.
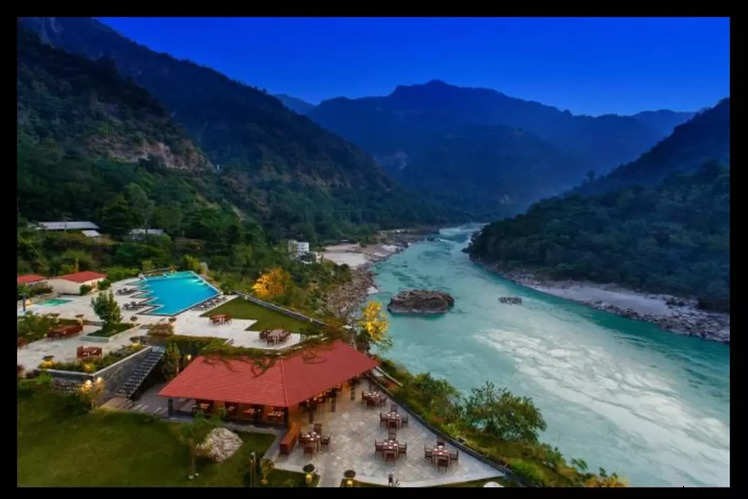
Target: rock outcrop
{"type": "Point", "coordinates": [420, 301]}
{"type": "Point", "coordinates": [220, 444]}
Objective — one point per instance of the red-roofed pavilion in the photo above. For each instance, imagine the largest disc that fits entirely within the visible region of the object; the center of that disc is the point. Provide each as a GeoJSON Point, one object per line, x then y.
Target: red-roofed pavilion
{"type": "Point", "coordinates": [249, 391]}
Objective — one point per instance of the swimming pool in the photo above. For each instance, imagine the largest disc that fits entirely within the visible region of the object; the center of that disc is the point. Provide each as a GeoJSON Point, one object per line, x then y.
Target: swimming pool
{"type": "Point", "coordinates": [54, 301]}
{"type": "Point", "coordinates": [175, 293]}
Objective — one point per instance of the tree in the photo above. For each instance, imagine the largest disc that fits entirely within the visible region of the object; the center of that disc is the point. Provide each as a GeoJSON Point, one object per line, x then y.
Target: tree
{"type": "Point", "coordinates": [373, 326]}
{"type": "Point", "coordinates": [142, 206]}
{"type": "Point", "coordinates": [503, 414]}
{"type": "Point", "coordinates": [117, 216]}
{"type": "Point", "coordinates": [107, 308]}
{"type": "Point", "coordinates": [191, 434]}
{"type": "Point", "coordinates": [189, 262]}
{"type": "Point", "coordinates": [172, 358]}
{"type": "Point", "coordinates": [272, 284]}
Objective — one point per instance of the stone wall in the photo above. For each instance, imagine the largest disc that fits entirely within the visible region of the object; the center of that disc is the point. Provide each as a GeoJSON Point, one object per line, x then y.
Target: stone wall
{"type": "Point", "coordinates": [113, 375]}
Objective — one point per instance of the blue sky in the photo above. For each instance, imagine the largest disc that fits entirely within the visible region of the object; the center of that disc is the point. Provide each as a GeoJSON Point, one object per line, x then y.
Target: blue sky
{"type": "Point", "coordinates": [586, 65]}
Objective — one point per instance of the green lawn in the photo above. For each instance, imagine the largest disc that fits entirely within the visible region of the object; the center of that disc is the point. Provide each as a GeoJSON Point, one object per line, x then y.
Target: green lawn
{"type": "Point", "coordinates": [110, 448]}
{"type": "Point", "coordinates": [114, 329]}
{"type": "Point", "coordinates": [239, 308]}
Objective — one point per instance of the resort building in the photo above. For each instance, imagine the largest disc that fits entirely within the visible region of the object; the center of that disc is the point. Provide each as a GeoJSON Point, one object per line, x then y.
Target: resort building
{"type": "Point", "coordinates": [70, 284]}
{"type": "Point", "coordinates": [141, 233]}
{"type": "Point", "coordinates": [68, 225]}
{"type": "Point", "coordinates": [31, 280]}
{"type": "Point", "coordinates": [298, 248]}
{"type": "Point", "coordinates": [269, 390]}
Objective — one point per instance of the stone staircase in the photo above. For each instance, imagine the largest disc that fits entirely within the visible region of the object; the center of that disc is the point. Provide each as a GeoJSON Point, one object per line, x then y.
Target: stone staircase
{"type": "Point", "coordinates": [141, 372]}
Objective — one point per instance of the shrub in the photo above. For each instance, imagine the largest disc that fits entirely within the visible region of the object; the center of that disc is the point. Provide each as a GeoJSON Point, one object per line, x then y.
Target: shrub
{"type": "Point", "coordinates": [85, 289]}
{"type": "Point", "coordinates": [104, 284]}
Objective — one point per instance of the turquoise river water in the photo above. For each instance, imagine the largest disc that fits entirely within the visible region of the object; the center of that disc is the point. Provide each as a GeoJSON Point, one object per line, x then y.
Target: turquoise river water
{"type": "Point", "coordinates": [651, 405]}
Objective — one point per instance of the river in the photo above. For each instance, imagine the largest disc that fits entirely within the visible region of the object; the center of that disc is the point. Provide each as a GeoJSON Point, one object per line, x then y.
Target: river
{"type": "Point", "coordinates": [624, 395]}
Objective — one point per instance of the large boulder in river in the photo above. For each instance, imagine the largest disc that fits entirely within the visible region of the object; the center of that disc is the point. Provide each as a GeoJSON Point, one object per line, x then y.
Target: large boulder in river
{"type": "Point", "coordinates": [420, 301]}
{"type": "Point", "coordinates": [220, 444]}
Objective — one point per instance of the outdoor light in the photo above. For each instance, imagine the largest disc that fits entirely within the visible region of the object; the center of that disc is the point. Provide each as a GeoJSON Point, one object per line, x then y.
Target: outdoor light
{"type": "Point", "coordinates": [349, 482]}
{"type": "Point", "coordinates": [99, 380]}
{"type": "Point", "coordinates": [189, 357]}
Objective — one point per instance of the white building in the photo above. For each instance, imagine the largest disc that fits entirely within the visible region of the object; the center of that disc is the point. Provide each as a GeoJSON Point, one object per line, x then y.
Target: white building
{"type": "Point", "coordinates": [140, 233]}
{"type": "Point", "coordinates": [68, 225]}
{"type": "Point", "coordinates": [70, 284]}
{"type": "Point", "coordinates": [298, 248]}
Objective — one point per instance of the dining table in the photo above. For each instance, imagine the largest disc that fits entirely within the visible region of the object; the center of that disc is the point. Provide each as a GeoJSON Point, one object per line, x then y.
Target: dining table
{"type": "Point", "coordinates": [374, 398]}
{"type": "Point", "coordinates": [312, 437]}
{"type": "Point", "coordinates": [393, 419]}
{"type": "Point", "coordinates": [391, 448]}
{"type": "Point", "coordinates": [440, 452]}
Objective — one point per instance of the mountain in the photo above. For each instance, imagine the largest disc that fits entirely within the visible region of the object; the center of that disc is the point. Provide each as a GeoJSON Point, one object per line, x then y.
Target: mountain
{"type": "Point", "coordinates": [663, 121]}
{"type": "Point", "coordinates": [299, 179]}
{"type": "Point", "coordinates": [704, 137]}
{"type": "Point", "coordinates": [87, 107]}
{"type": "Point", "coordinates": [409, 129]}
{"type": "Point", "coordinates": [294, 104]}
{"type": "Point", "coordinates": [86, 136]}
{"type": "Point", "coordinates": [658, 224]}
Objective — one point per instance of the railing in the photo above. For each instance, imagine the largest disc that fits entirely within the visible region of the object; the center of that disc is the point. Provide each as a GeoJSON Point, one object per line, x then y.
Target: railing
{"type": "Point", "coordinates": [468, 450]}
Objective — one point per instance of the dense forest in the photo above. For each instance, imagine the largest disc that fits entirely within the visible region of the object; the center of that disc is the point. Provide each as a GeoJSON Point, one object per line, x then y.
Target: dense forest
{"type": "Point", "coordinates": [703, 138]}
{"type": "Point", "coordinates": [75, 115]}
{"type": "Point", "coordinates": [672, 238]}
{"type": "Point", "coordinates": [295, 178]}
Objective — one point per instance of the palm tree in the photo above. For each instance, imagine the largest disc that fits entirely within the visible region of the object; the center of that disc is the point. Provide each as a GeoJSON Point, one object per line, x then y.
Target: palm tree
{"type": "Point", "coordinates": [191, 434]}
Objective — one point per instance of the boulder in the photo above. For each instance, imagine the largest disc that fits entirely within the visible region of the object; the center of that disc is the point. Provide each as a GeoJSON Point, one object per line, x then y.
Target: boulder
{"type": "Point", "coordinates": [420, 301]}
{"type": "Point", "coordinates": [220, 444]}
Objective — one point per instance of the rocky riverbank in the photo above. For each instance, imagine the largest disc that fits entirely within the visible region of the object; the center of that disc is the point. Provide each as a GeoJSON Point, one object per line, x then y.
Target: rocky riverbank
{"type": "Point", "coordinates": [676, 314]}
{"type": "Point", "coordinates": [345, 299]}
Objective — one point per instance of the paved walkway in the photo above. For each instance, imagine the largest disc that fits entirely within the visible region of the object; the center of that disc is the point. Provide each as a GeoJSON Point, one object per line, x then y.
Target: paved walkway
{"type": "Point", "coordinates": [188, 323]}
{"type": "Point", "coordinates": [64, 349]}
{"type": "Point", "coordinates": [354, 427]}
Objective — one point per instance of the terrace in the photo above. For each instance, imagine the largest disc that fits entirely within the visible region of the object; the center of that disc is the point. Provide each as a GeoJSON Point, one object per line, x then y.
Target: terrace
{"type": "Point", "coordinates": [241, 331]}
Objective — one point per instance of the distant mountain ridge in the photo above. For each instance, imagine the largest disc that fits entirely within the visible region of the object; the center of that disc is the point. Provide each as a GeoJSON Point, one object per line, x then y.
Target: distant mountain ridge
{"type": "Point", "coordinates": [409, 127]}
{"type": "Point", "coordinates": [294, 103]}
{"type": "Point", "coordinates": [659, 224]}
{"type": "Point", "coordinates": [296, 177]}
{"type": "Point", "coordinates": [704, 137]}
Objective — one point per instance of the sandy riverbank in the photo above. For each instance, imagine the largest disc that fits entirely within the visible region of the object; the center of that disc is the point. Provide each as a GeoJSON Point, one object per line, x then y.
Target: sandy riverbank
{"type": "Point", "coordinates": [676, 314]}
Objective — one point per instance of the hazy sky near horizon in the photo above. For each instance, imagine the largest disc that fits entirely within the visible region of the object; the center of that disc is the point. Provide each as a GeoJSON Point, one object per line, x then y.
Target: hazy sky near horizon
{"type": "Point", "coordinates": [586, 65]}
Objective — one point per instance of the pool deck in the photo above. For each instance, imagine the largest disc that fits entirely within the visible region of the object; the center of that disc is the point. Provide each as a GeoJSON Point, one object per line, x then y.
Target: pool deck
{"type": "Point", "coordinates": [188, 323]}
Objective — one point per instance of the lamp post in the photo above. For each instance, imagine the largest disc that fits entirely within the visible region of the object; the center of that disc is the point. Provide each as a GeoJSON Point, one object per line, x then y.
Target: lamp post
{"type": "Point", "coordinates": [252, 468]}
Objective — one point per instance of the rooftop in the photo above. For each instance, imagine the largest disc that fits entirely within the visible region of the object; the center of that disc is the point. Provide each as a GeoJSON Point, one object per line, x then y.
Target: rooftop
{"type": "Point", "coordinates": [29, 278]}
{"type": "Point", "coordinates": [85, 276]}
{"type": "Point", "coordinates": [284, 383]}
{"type": "Point", "coordinates": [68, 225]}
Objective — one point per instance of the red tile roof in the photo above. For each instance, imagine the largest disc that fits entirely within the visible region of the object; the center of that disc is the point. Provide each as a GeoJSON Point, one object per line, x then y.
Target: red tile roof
{"type": "Point", "coordinates": [29, 278]}
{"type": "Point", "coordinates": [285, 383]}
{"type": "Point", "coordinates": [86, 275]}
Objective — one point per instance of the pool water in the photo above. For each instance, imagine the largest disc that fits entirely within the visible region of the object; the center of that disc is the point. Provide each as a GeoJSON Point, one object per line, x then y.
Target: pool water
{"type": "Point", "coordinates": [177, 292]}
{"type": "Point", "coordinates": [54, 301]}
